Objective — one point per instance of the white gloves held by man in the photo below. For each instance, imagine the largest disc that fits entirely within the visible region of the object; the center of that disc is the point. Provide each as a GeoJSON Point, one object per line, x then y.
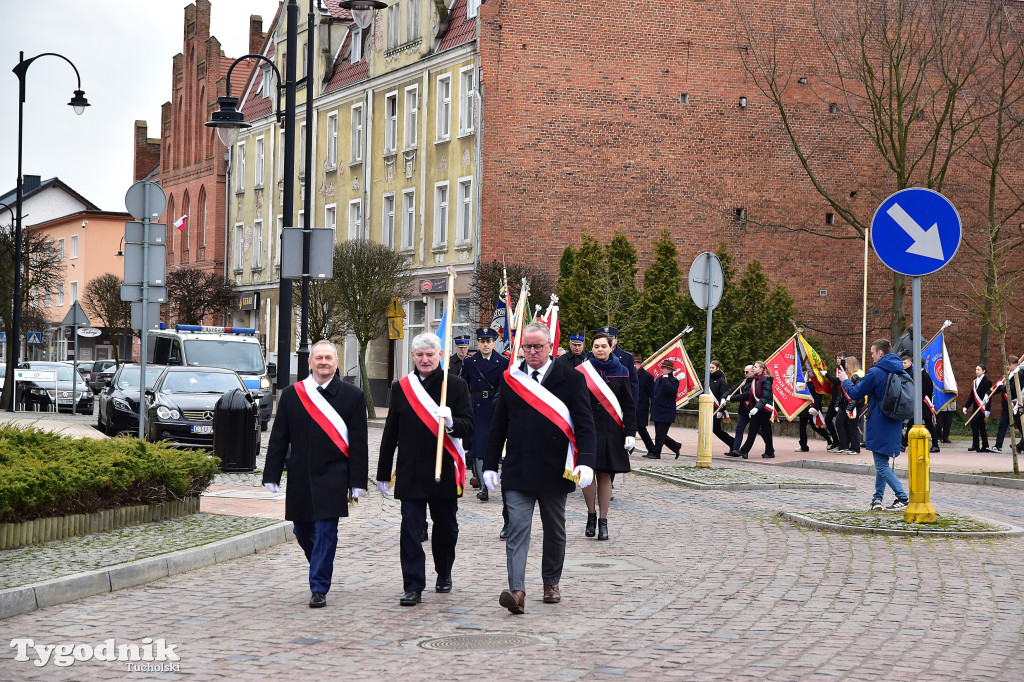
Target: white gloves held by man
{"type": "Point", "coordinates": [491, 480]}
{"type": "Point", "coordinates": [444, 412]}
{"type": "Point", "coordinates": [987, 414]}
{"type": "Point", "coordinates": [383, 487]}
{"type": "Point", "coordinates": [630, 442]}
{"type": "Point", "coordinates": [272, 487]}
{"type": "Point", "coordinates": [753, 412]}
{"type": "Point", "coordinates": [813, 411]}
{"type": "Point", "coordinates": [586, 475]}
{"type": "Point", "coordinates": [356, 493]}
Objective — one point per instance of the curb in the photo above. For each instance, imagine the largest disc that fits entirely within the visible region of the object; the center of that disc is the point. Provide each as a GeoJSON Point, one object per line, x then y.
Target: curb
{"type": "Point", "coordinates": [26, 598]}
{"type": "Point", "coordinates": [814, 524]}
{"type": "Point", "coordinates": [940, 476]}
{"type": "Point", "coordinates": [743, 486]}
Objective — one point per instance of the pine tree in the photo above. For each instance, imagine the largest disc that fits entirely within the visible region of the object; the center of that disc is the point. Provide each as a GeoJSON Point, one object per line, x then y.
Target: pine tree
{"type": "Point", "coordinates": [662, 300]}
{"type": "Point", "coordinates": [580, 298]}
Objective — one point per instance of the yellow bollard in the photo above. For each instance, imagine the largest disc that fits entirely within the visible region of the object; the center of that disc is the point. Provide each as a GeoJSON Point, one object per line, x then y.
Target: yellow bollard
{"type": "Point", "coordinates": [704, 422]}
{"type": "Point", "coordinates": [920, 509]}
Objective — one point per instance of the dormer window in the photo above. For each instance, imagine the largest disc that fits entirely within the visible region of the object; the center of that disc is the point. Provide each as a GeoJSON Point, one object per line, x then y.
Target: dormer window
{"type": "Point", "coordinates": [472, 6]}
{"type": "Point", "coordinates": [268, 82]}
{"type": "Point", "coordinates": [357, 45]}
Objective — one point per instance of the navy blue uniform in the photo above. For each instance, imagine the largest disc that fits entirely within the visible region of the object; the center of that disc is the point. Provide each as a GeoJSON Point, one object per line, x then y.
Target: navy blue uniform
{"type": "Point", "coordinates": [629, 362]}
{"type": "Point", "coordinates": [484, 378]}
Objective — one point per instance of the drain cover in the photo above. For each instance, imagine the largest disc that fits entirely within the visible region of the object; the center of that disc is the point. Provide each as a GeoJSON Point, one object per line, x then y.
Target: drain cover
{"type": "Point", "coordinates": [596, 565]}
{"type": "Point", "coordinates": [476, 642]}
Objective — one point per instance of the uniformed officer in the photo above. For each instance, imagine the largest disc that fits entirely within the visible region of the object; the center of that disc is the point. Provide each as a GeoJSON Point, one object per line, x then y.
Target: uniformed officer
{"type": "Point", "coordinates": [576, 355]}
{"type": "Point", "coordinates": [625, 358]}
{"type": "Point", "coordinates": [482, 372]}
{"type": "Point", "coordinates": [459, 356]}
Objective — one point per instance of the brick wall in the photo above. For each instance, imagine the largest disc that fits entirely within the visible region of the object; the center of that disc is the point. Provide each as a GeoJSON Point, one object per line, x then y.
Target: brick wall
{"type": "Point", "coordinates": [146, 152]}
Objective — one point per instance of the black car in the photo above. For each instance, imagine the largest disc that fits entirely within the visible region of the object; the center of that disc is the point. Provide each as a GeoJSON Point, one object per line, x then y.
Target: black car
{"type": "Point", "coordinates": [42, 395]}
{"type": "Point", "coordinates": [101, 372]}
{"type": "Point", "coordinates": [117, 405]}
{"type": "Point", "coordinates": [182, 401]}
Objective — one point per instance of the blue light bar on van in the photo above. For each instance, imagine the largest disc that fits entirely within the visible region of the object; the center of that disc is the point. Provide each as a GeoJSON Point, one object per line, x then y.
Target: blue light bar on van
{"type": "Point", "coordinates": [221, 330]}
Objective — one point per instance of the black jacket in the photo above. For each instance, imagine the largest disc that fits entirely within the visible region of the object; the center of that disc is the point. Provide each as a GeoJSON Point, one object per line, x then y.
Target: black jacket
{"type": "Point", "coordinates": [319, 475]}
{"type": "Point", "coordinates": [982, 390]}
{"type": "Point", "coordinates": [743, 396]}
{"type": "Point", "coordinates": [663, 400]}
{"type": "Point", "coordinates": [417, 444]}
{"type": "Point", "coordinates": [643, 399]}
{"type": "Point", "coordinates": [573, 361]}
{"type": "Point", "coordinates": [535, 448]}
{"type": "Point", "coordinates": [718, 386]}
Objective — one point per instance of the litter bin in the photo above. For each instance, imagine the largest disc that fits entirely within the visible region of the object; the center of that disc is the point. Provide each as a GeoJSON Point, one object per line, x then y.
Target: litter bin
{"type": "Point", "coordinates": [236, 431]}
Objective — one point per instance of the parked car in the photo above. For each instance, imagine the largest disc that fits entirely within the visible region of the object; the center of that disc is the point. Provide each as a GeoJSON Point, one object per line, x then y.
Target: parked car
{"type": "Point", "coordinates": [117, 405]}
{"type": "Point", "coordinates": [85, 368]}
{"type": "Point", "coordinates": [43, 395]}
{"type": "Point", "coordinates": [100, 373]}
{"type": "Point", "coordinates": [182, 401]}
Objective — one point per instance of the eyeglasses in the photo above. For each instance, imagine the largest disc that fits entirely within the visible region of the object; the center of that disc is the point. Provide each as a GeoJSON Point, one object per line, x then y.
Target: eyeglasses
{"type": "Point", "coordinates": [535, 347]}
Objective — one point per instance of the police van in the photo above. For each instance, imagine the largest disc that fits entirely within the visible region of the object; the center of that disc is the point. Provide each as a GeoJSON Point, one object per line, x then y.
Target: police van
{"type": "Point", "coordinates": [234, 348]}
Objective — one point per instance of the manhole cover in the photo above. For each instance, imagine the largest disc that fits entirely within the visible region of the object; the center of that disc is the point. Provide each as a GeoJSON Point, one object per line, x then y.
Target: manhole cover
{"type": "Point", "coordinates": [476, 642]}
{"type": "Point", "coordinates": [596, 565]}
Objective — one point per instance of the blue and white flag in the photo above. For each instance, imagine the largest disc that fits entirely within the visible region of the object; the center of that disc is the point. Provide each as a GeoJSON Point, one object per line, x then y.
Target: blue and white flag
{"type": "Point", "coordinates": [499, 323]}
{"type": "Point", "coordinates": [940, 369]}
{"type": "Point", "coordinates": [441, 327]}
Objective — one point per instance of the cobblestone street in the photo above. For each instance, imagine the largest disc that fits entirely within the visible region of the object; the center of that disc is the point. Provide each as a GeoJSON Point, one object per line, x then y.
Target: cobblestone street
{"type": "Point", "coordinates": [692, 585]}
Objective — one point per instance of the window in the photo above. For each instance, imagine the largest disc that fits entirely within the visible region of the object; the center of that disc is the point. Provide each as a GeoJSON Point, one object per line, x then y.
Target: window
{"type": "Point", "coordinates": [48, 301]}
{"type": "Point", "coordinates": [464, 222]}
{"type": "Point", "coordinates": [240, 167]}
{"type": "Point", "coordinates": [331, 217]}
{"type": "Point", "coordinates": [186, 211]}
{"type": "Point", "coordinates": [277, 240]}
{"type": "Point", "coordinates": [441, 214]}
{"type": "Point", "coordinates": [74, 291]}
{"type": "Point", "coordinates": [467, 93]}
{"type": "Point", "coordinates": [305, 47]}
{"type": "Point", "coordinates": [74, 246]}
{"type": "Point", "coordinates": [268, 82]}
{"type": "Point", "coordinates": [332, 140]}
{"type": "Point", "coordinates": [302, 151]}
{"type": "Point", "coordinates": [471, 8]}
{"type": "Point", "coordinates": [394, 25]}
{"type": "Point", "coordinates": [280, 156]}
{"type": "Point", "coordinates": [60, 249]}
{"type": "Point", "coordinates": [202, 217]}
{"type": "Point", "coordinates": [357, 45]}
{"type": "Point", "coordinates": [437, 311]}
{"type": "Point", "coordinates": [388, 224]}
{"type": "Point", "coordinates": [355, 219]}
{"type": "Point", "coordinates": [412, 21]}
{"type": "Point", "coordinates": [258, 180]}
{"type": "Point", "coordinates": [444, 107]}
{"type": "Point", "coordinates": [462, 323]}
{"type": "Point", "coordinates": [408, 218]}
{"type": "Point", "coordinates": [300, 223]}
{"type": "Point", "coordinates": [391, 123]}
{"type": "Point", "coordinates": [239, 244]}
{"type": "Point", "coordinates": [257, 244]}
{"type": "Point", "coordinates": [357, 133]}
{"type": "Point", "coordinates": [60, 294]}
{"type": "Point", "coordinates": [417, 313]}
{"type": "Point", "coordinates": [412, 96]}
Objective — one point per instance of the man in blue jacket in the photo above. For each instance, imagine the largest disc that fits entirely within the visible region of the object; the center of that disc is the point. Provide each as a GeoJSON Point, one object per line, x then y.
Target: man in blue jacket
{"type": "Point", "coordinates": [883, 434]}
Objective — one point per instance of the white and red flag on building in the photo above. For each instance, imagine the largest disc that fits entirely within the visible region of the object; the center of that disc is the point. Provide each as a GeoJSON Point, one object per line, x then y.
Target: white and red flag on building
{"type": "Point", "coordinates": [788, 384]}
{"type": "Point", "coordinates": [182, 223]}
{"type": "Point", "coordinates": [689, 384]}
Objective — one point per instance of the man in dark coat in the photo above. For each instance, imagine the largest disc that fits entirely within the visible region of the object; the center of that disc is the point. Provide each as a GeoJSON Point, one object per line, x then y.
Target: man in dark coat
{"type": "Point", "coordinates": [643, 402]}
{"type": "Point", "coordinates": [321, 477]}
{"type": "Point", "coordinates": [807, 417]}
{"type": "Point", "coordinates": [663, 409]}
{"type": "Point", "coordinates": [411, 427]}
{"type": "Point", "coordinates": [761, 413]}
{"type": "Point", "coordinates": [482, 373]}
{"type": "Point", "coordinates": [625, 358]}
{"type": "Point", "coordinates": [576, 355]}
{"type": "Point", "coordinates": [535, 466]}
{"type": "Point", "coordinates": [747, 400]}
{"type": "Point", "coordinates": [455, 362]}
{"type": "Point", "coordinates": [927, 388]}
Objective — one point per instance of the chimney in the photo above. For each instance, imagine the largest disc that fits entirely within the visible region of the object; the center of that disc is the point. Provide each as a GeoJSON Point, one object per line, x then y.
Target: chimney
{"type": "Point", "coordinates": [29, 183]}
{"type": "Point", "coordinates": [256, 34]}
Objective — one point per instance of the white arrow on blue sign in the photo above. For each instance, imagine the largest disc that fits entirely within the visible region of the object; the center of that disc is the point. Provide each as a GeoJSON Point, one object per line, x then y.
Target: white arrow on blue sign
{"type": "Point", "coordinates": [916, 231]}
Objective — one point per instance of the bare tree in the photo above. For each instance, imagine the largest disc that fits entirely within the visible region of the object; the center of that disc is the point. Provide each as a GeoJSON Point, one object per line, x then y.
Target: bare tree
{"type": "Point", "coordinates": [487, 284]}
{"type": "Point", "coordinates": [102, 299]}
{"type": "Point", "coordinates": [193, 294]}
{"type": "Point", "coordinates": [324, 305]}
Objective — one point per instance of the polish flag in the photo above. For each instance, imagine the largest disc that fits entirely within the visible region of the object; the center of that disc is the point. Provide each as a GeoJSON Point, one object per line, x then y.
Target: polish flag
{"type": "Point", "coordinates": [181, 223]}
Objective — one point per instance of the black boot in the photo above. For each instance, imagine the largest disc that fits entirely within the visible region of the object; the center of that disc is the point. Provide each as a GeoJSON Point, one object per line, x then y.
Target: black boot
{"type": "Point", "coordinates": [591, 525]}
{"type": "Point", "coordinates": [602, 529]}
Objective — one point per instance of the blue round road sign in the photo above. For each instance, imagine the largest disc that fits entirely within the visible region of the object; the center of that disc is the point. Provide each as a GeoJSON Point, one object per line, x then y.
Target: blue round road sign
{"type": "Point", "coordinates": [916, 231]}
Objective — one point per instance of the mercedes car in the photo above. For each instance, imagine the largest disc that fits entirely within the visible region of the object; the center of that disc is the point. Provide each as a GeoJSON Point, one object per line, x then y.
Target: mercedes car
{"type": "Point", "coordinates": [43, 395]}
{"type": "Point", "coordinates": [117, 405]}
{"type": "Point", "coordinates": [181, 404]}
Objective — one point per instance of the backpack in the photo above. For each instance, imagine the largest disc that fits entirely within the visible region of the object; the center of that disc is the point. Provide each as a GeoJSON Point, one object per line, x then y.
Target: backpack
{"type": "Point", "coordinates": [898, 400]}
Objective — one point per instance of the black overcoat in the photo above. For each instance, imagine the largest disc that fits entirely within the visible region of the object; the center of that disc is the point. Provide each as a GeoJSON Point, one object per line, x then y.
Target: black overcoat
{"type": "Point", "coordinates": [417, 444]}
{"type": "Point", "coordinates": [663, 400]}
{"type": "Point", "coordinates": [611, 440]}
{"type": "Point", "coordinates": [535, 448]}
{"type": "Point", "coordinates": [643, 399]}
{"type": "Point", "coordinates": [319, 475]}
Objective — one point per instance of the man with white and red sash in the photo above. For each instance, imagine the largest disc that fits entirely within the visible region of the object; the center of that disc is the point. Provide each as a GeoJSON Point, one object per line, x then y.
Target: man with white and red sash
{"type": "Point", "coordinates": [322, 421]}
{"type": "Point", "coordinates": [543, 421]}
{"type": "Point", "coordinates": [761, 413]}
{"type": "Point", "coordinates": [411, 427]}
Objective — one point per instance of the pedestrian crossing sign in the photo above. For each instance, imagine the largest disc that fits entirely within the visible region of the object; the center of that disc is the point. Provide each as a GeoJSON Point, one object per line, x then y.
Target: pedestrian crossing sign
{"type": "Point", "coordinates": [35, 338]}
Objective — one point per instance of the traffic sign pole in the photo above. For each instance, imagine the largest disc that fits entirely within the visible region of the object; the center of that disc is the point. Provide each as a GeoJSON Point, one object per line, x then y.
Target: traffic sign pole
{"type": "Point", "coordinates": [706, 283]}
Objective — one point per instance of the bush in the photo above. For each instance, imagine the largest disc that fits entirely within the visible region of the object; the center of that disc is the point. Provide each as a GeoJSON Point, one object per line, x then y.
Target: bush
{"type": "Point", "coordinates": [43, 474]}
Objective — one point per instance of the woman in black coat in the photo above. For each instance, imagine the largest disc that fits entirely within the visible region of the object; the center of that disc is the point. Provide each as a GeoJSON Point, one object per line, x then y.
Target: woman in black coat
{"type": "Point", "coordinates": [977, 399]}
{"type": "Point", "coordinates": [613, 440]}
{"type": "Point", "coordinates": [663, 410]}
{"type": "Point", "coordinates": [720, 389]}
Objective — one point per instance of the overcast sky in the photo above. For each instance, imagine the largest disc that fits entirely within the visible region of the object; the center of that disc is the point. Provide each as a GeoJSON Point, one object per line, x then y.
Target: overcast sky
{"type": "Point", "coordinates": [123, 51]}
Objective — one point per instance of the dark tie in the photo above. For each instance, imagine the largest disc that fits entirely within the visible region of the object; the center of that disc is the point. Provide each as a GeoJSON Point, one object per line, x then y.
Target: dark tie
{"type": "Point", "coordinates": [535, 374]}
{"type": "Point", "coordinates": [321, 389]}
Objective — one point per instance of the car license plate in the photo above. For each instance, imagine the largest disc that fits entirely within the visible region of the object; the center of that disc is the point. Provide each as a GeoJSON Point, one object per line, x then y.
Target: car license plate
{"type": "Point", "coordinates": [202, 428]}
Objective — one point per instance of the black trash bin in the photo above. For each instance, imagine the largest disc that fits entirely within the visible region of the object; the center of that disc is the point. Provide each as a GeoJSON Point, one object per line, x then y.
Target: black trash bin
{"type": "Point", "coordinates": [236, 431]}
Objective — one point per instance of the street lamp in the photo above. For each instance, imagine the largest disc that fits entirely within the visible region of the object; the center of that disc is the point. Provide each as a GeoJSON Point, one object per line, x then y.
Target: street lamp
{"type": "Point", "coordinates": [78, 103]}
{"type": "Point", "coordinates": [362, 10]}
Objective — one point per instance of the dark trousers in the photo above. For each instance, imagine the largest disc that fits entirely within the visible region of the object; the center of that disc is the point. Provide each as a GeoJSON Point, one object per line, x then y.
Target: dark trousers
{"type": "Point", "coordinates": [645, 436]}
{"type": "Point", "coordinates": [806, 419]}
{"type": "Point", "coordinates": [979, 432]}
{"type": "Point", "coordinates": [517, 547]}
{"type": "Point", "coordinates": [442, 540]}
{"type": "Point", "coordinates": [661, 438]}
{"type": "Point", "coordinates": [926, 417]}
{"type": "Point", "coordinates": [723, 435]}
{"type": "Point", "coordinates": [1004, 424]}
{"type": "Point", "coordinates": [742, 419]}
{"type": "Point", "coordinates": [846, 428]}
{"type": "Point", "coordinates": [319, 542]}
{"type": "Point", "coordinates": [945, 423]}
{"type": "Point", "coordinates": [830, 422]}
{"type": "Point", "coordinates": [760, 425]}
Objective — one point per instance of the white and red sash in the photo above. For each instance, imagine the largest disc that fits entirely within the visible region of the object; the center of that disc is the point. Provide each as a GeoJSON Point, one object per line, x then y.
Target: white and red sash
{"type": "Point", "coordinates": [974, 390]}
{"type": "Point", "coordinates": [550, 407]}
{"type": "Point", "coordinates": [323, 413]}
{"type": "Point", "coordinates": [426, 409]}
{"type": "Point", "coordinates": [930, 404]}
{"type": "Point", "coordinates": [755, 390]}
{"type": "Point", "coordinates": [819, 420]}
{"type": "Point", "coordinates": [599, 388]}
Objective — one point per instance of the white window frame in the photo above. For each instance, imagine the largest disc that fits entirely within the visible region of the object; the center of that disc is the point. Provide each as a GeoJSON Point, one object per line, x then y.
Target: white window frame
{"type": "Point", "coordinates": [412, 116]}
{"type": "Point", "coordinates": [472, 7]}
{"type": "Point", "coordinates": [60, 249]}
{"type": "Point", "coordinates": [48, 298]}
{"type": "Point", "coordinates": [391, 122]}
{"type": "Point", "coordinates": [356, 51]}
{"type": "Point", "coordinates": [267, 82]}
{"type": "Point", "coordinates": [442, 215]}
{"type": "Point", "coordinates": [408, 219]}
{"type": "Point", "coordinates": [257, 244]}
{"type": "Point", "coordinates": [394, 31]}
{"type": "Point", "coordinates": [300, 216]}
{"type": "Point", "coordinates": [443, 119]}
{"type": "Point", "coordinates": [278, 238]}
{"type": "Point", "coordinates": [464, 206]}
{"type": "Point", "coordinates": [467, 97]}
{"type": "Point", "coordinates": [260, 158]}
{"type": "Point", "coordinates": [301, 165]}
{"type": "Point", "coordinates": [387, 220]}
{"type": "Point", "coordinates": [74, 246]}
{"type": "Point", "coordinates": [239, 244]}
{"type": "Point", "coordinates": [73, 290]}
{"type": "Point", "coordinates": [355, 219]}
{"type": "Point", "coordinates": [412, 21]}
{"type": "Point", "coordinates": [280, 155]}
{"type": "Point", "coordinates": [331, 218]}
{"type": "Point", "coordinates": [332, 141]}
{"type": "Point", "coordinates": [357, 133]}
{"type": "Point", "coordinates": [240, 167]}
{"type": "Point", "coordinates": [60, 294]}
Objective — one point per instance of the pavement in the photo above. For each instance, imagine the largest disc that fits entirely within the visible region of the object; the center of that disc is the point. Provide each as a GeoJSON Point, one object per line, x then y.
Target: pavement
{"type": "Point", "coordinates": [692, 585]}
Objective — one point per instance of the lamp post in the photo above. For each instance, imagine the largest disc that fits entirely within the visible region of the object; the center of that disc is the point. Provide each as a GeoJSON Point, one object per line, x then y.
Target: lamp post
{"type": "Point", "coordinates": [78, 103]}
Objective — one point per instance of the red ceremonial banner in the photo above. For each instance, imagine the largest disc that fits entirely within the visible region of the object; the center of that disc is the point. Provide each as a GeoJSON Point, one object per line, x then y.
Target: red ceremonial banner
{"type": "Point", "coordinates": [689, 384]}
{"type": "Point", "coordinates": [782, 366]}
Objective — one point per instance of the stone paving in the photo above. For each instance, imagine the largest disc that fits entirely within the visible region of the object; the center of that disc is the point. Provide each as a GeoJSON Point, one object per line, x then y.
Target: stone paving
{"type": "Point", "coordinates": [693, 585]}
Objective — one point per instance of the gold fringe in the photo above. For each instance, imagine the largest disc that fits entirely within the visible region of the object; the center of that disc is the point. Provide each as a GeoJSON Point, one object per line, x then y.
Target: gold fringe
{"type": "Point", "coordinates": [569, 475]}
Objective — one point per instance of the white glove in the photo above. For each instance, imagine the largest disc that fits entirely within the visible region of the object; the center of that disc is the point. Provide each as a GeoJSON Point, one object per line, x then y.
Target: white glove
{"type": "Point", "coordinates": [753, 412]}
{"type": "Point", "coordinates": [491, 480]}
{"type": "Point", "coordinates": [444, 412]}
{"type": "Point", "coordinates": [356, 493]}
{"type": "Point", "coordinates": [1016, 410]}
{"type": "Point", "coordinates": [987, 414]}
{"type": "Point", "coordinates": [586, 475]}
{"type": "Point", "coordinates": [984, 401]}
{"type": "Point", "coordinates": [272, 487]}
{"type": "Point", "coordinates": [383, 487]}
{"type": "Point", "coordinates": [965, 410]}
{"type": "Point", "coordinates": [813, 411]}
{"type": "Point", "coordinates": [630, 442]}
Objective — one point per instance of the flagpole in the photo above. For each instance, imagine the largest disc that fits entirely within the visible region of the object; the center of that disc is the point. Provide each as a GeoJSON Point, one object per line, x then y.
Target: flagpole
{"type": "Point", "coordinates": [445, 352]}
{"type": "Point", "coordinates": [864, 317]}
{"type": "Point", "coordinates": [664, 348]}
{"type": "Point", "coordinates": [988, 397]}
{"type": "Point", "coordinates": [947, 323]}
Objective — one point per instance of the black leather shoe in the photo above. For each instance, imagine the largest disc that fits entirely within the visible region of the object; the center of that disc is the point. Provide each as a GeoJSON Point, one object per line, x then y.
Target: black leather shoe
{"type": "Point", "coordinates": [410, 598]}
{"type": "Point", "coordinates": [733, 453]}
{"type": "Point", "coordinates": [443, 585]}
{"type": "Point", "coordinates": [504, 533]}
{"type": "Point", "coordinates": [744, 455]}
{"type": "Point", "coordinates": [318, 600]}
{"type": "Point", "coordinates": [650, 456]}
{"type": "Point", "coordinates": [591, 525]}
{"type": "Point", "coordinates": [678, 450]}
{"type": "Point", "coordinates": [934, 448]}
{"type": "Point", "coordinates": [602, 529]}
{"type": "Point", "coordinates": [767, 456]}
{"type": "Point", "coordinates": [482, 496]}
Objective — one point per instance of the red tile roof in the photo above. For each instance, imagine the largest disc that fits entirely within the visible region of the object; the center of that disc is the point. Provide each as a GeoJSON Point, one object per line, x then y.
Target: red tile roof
{"type": "Point", "coordinates": [460, 29]}
{"type": "Point", "coordinates": [336, 11]}
{"type": "Point", "coordinates": [345, 72]}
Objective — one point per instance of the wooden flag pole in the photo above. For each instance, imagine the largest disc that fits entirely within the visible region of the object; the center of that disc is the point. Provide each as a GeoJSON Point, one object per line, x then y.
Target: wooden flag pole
{"type": "Point", "coordinates": [445, 353]}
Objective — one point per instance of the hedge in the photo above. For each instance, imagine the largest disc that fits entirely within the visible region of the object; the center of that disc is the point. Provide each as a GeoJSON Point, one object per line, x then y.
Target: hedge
{"type": "Point", "coordinates": [43, 474]}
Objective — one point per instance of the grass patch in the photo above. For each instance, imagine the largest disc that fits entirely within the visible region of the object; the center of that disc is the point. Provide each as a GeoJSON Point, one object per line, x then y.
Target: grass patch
{"type": "Point", "coordinates": [893, 520]}
{"type": "Point", "coordinates": [1004, 474]}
